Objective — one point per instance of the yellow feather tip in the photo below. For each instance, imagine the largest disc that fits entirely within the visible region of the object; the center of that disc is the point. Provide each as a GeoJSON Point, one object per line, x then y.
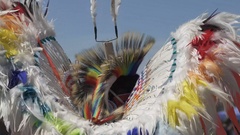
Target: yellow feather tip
{"type": "Point", "coordinates": [188, 103]}
{"type": "Point", "coordinates": [9, 40]}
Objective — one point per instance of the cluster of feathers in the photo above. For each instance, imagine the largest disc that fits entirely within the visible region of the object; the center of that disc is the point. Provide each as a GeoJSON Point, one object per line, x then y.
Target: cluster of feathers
{"type": "Point", "coordinates": [177, 93]}
{"type": "Point", "coordinates": [95, 72]}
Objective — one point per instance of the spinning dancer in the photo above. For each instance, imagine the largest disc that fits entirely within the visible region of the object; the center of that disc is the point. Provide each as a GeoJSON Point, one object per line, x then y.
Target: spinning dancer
{"type": "Point", "coordinates": [177, 92]}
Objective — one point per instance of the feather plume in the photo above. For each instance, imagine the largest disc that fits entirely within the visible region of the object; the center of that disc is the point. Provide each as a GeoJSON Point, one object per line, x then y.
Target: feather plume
{"type": "Point", "coordinates": [115, 4]}
{"type": "Point", "coordinates": [93, 11]}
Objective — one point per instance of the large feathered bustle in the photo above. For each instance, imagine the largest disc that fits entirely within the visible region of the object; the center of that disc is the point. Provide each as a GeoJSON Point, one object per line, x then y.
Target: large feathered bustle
{"type": "Point", "coordinates": [198, 68]}
{"type": "Point", "coordinates": [28, 98]}
{"type": "Point", "coordinates": [94, 72]}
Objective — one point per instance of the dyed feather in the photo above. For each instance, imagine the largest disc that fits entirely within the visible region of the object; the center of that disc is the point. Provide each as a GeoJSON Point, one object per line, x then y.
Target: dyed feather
{"type": "Point", "coordinates": [94, 74]}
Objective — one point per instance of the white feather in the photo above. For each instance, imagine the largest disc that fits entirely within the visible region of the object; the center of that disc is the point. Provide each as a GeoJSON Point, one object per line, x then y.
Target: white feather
{"type": "Point", "coordinates": [115, 4]}
{"type": "Point", "coordinates": [93, 10]}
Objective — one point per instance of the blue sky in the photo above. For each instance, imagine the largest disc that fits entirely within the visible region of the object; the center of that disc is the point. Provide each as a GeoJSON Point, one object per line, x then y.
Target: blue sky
{"type": "Point", "coordinates": [158, 18]}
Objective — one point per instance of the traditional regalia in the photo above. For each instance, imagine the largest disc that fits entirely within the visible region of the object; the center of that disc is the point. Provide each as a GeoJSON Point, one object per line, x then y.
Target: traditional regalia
{"type": "Point", "coordinates": [179, 91]}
